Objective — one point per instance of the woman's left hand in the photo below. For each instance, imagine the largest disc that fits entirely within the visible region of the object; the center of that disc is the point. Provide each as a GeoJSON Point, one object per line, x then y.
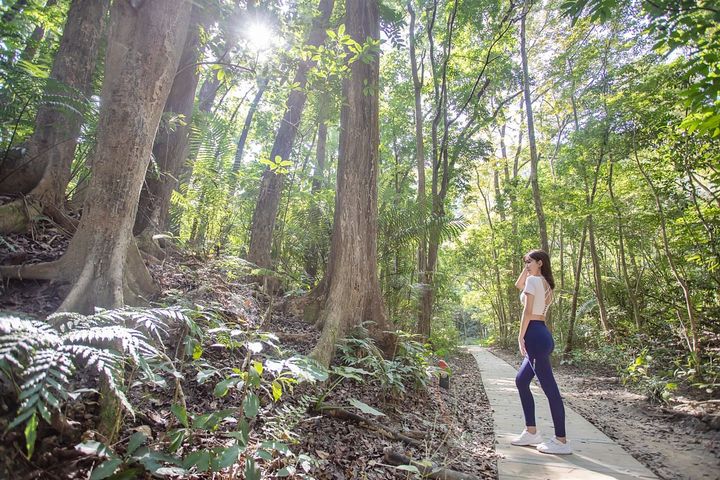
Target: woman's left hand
{"type": "Point", "coordinates": [521, 344]}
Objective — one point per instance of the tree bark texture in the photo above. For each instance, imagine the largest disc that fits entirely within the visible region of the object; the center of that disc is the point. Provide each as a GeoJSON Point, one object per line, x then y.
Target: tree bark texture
{"type": "Point", "coordinates": [143, 54]}
{"type": "Point", "coordinates": [171, 145]}
{"type": "Point", "coordinates": [354, 295]}
{"type": "Point", "coordinates": [45, 167]}
{"type": "Point", "coordinates": [266, 209]}
{"type": "Point", "coordinates": [542, 226]}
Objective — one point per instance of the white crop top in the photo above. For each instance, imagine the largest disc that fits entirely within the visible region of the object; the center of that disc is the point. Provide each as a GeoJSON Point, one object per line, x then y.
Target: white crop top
{"type": "Point", "coordinates": [541, 302]}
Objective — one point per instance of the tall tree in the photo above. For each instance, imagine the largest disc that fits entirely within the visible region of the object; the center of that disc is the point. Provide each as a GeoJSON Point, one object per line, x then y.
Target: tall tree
{"type": "Point", "coordinates": [537, 199]}
{"type": "Point", "coordinates": [102, 262]}
{"type": "Point", "coordinates": [422, 254]}
{"type": "Point", "coordinates": [354, 293]}
{"type": "Point", "coordinates": [44, 170]}
{"type": "Point", "coordinates": [171, 142]}
{"type": "Point", "coordinates": [266, 209]}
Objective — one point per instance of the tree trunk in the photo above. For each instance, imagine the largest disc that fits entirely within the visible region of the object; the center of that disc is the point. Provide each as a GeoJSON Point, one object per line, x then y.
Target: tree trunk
{"type": "Point", "coordinates": [266, 209]}
{"type": "Point", "coordinates": [531, 135]}
{"type": "Point", "coordinates": [237, 161]}
{"type": "Point", "coordinates": [623, 261]}
{"type": "Point", "coordinates": [313, 255]}
{"type": "Point", "coordinates": [44, 171]}
{"type": "Point", "coordinates": [354, 296]}
{"type": "Point", "coordinates": [597, 276]}
{"type": "Point", "coordinates": [171, 144]}
{"type": "Point", "coordinates": [422, 255]}
{"type": "Point", "coordinates": [694, 347]}
{"type": "Point", "coordinates": [576, 290]}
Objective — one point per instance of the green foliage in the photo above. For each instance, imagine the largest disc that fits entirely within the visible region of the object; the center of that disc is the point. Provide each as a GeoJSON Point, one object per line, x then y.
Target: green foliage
{"type": "Point", "coordinates": [364, 362]}
{"type": "Point", "coordinates": [40, 358]}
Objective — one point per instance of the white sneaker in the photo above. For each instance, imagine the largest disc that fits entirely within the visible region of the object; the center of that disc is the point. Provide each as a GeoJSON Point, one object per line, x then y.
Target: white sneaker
{"type": "Point", "coordinates": [555, 447]}
{"type": "Point", "coordinates": [526, 438]}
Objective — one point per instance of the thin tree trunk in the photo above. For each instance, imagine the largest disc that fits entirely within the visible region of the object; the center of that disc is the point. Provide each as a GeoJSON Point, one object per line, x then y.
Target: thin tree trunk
{"type": "Point", "coordinates": [422, 254]}
{"type": "Point", "coordinates": [313, 255]}
{"type": "Point", "coordinates": [621, 241]}
{"type": "Point", "coordinates": [576, 290]}
{"type": "Point", "coordinates": [531, 135]}
{"type": "Point", "coordinates": [597, 276]}
{"type": "Point", "coordinates": [266, 209]}
{"type": "Point", "coordinates": [354, 295]}
{"type": "Point", "coordinates": [237, 161]}
{"type": "Point", "coordinates": [694, 347]}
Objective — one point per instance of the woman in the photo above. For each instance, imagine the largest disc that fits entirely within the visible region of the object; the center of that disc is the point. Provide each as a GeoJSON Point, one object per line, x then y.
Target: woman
{"type": "Point", "coordinates": [536, 344]}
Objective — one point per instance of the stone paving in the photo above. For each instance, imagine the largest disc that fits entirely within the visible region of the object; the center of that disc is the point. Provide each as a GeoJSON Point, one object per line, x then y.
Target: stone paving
{"type": "Point", "coordinates": [595, 456]}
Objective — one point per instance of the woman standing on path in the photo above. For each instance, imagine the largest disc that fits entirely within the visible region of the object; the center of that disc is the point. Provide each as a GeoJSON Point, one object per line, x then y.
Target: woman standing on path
{"type": "Point", "coordinates": [536, 344]}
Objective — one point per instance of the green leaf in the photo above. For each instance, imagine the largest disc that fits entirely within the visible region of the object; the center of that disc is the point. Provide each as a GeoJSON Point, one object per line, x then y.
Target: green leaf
{"type": "Point", "coordinates": [265, 455]}
{"type": "Point", "coordinates": [180, 413]}
{"type": "Point", "coordinates": [227, 457]}
{"type": "Point", "coordinates": [31, 435]}
{"type": "Point", "coordinates": [286, 471]}
{"type": "Point", "coordinates": [251, 471]}
{"type": "Point", "coordinates": [106, 469]}
{"type": "Point", "coordinates": [199, 459]}
{"type": "Point", "coordinates": [409, 468]}
{"type": "Point", "coordinates": [176, 439]}
{"type": "Point", "coordinates": [365, 408]}
{"type": "Point", "coordinates": [137, 439]}
{"type": "Point", "coordinates": [197, 352]}
{"type": "Point", "coordinates": [91, 447]}
{"type": "Point", "coordinates": [251, 405]}
{"type": "Point", "coordinates": [277, 390]}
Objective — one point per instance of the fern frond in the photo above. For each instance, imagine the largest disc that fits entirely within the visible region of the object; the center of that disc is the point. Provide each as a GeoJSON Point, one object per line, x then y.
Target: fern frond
{"type": "Point", "coordinates": [281, 425]}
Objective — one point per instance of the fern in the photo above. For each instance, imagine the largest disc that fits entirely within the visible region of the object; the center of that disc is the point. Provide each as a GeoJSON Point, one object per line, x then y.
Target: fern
{"type": "Point", "coordinates": [281, 425]}
{"type": "Point", "coordinates": [44, 356]}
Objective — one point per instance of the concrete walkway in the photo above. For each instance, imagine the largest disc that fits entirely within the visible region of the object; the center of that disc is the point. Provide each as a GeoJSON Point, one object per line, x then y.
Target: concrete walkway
{"type": "Point", "coordinates": [595, 456]}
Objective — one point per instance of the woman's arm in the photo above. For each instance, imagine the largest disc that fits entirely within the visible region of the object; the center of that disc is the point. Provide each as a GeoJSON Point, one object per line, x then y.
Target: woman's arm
{"type": "Point", "coordinates": [525, 321]}
{"type": "Point", "coordinates": [520, 283]}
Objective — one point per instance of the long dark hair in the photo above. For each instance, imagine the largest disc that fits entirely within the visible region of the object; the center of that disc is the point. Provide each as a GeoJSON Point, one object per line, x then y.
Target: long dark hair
{"type": "Point", "coordinates": [545, 268]}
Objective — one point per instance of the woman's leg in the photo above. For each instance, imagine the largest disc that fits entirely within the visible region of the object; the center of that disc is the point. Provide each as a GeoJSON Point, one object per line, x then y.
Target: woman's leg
{"type": "Point", "coordinates": [544, 372]}
{"type": "Point", "coordinates": [522, 380]}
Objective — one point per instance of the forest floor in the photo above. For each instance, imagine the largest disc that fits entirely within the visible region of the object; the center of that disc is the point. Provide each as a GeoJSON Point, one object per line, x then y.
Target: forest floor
{"type": "Point", "coordinates": [679, 440]}
{"type": "Point", "coordinates": [452, 428]}
{"type": "Point", "coordinates": [448, 428]}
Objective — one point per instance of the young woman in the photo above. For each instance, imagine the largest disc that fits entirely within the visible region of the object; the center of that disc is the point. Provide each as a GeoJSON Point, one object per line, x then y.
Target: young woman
{"type": "Point", "coordinates": [536, 344]}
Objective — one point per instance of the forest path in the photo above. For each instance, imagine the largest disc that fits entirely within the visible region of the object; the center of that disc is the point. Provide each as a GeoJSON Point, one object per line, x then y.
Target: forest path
{"type": "Point", "coordinates": [595, 456]}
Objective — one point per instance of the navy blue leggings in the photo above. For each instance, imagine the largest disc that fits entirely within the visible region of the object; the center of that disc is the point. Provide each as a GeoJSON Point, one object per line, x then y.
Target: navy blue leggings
{"type": "Point", "coordinates": [539, 345]}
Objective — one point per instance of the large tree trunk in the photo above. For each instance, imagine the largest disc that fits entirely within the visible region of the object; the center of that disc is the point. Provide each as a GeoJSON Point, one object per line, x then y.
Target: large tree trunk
{"type": "Point", "coordinates": [171, 144]}
{"type": "Point", "coordinates": [44, 170]}
{"type": "Point", "coordinates": [102, 261]}
{"type": "Point", "coordinates": [143, 55]}
{"type": "Point", "coordinates": [354, 296]}
{"type": "Point", "coordinates": [266, 209]}
{"type": "Point", "coordinates": [531, 136]}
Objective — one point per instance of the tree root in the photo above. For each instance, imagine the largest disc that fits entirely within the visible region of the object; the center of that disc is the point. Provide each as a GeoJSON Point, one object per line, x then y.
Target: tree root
{"type": "Point", "coordinates": [17, 216]}
{"type": "Point", "coordinates": [395, 458]}
{"type": "Point", "coordinates": [385, 431]}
